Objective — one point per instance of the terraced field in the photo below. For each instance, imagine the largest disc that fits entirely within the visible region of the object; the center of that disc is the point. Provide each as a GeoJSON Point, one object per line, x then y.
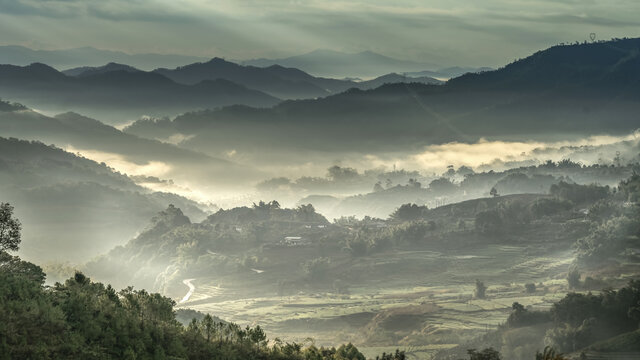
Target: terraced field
{"type": "Point", "coordinates": [403, 299]}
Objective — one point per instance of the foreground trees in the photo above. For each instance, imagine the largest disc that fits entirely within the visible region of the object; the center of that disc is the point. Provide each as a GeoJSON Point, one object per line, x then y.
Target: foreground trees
{"type": "Point", "coordinates": [82, 319]}
{"type": "Point", "coordinates": [9, 229]}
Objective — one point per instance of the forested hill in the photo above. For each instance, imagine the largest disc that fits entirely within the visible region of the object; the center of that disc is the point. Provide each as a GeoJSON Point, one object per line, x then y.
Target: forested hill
{"type": "Point", "coordinates": [602, 66]}
{"type": "Point", "coordinates": [170, 238]}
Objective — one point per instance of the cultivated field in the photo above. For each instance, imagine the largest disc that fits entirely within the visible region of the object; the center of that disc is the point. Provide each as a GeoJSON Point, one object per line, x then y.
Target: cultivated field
{"type": "Point", "coordinates": [419, 301]}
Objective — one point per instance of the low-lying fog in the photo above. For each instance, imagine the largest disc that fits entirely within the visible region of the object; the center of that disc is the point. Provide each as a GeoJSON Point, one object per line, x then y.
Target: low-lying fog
{"type": "Point", "coordinates": [363, 169]}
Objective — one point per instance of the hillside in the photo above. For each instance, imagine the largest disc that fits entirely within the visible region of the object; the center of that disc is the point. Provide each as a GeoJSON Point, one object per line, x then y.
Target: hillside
{"type": "Point", "coordinates": [130, 153]}
{"type": "Point", "coordinates": [148, 260]}
{"type": "Point", "coordinates": [67, 201]}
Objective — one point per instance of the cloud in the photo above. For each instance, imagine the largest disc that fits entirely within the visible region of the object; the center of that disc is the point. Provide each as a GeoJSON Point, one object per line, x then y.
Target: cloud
{"type": "Point", "coordinates": [498, 154]}
{"type": "Point", "coordinates": [453, 32]}
{"type": "Point", "coordinates": [116, 10]}
{"type": "Point", "coordinates": [120, 163]}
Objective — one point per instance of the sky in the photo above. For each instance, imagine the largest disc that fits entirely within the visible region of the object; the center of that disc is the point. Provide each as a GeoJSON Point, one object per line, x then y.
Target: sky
{"type": "Point", "coordinates": [451, 32]}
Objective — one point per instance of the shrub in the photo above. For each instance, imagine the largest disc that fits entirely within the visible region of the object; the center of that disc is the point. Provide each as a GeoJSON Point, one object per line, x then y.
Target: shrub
{"type": "Point", "coordinates": [530, 288]}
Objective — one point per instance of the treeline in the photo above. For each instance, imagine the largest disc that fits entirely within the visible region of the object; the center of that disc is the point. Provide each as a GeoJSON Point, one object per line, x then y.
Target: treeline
{"type": "Point", "coordinates": [523, 179]}
{"type": "Point", "coordinates": [493, 218]}
{"type": "Point", "coordinates": [580, 322]}
{"type": "Point", "coordinates": [609, 218]}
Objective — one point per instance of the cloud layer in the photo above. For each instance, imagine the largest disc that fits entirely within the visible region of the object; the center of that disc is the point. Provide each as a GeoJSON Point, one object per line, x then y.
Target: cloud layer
{"type": "Point", "coordinates": [462, 32]}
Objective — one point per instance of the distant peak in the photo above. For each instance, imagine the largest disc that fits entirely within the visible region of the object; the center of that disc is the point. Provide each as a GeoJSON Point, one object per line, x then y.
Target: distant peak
{"type": "Point", "coordinates": [324, 51]}
{"type": "Point", "coordinates": [217, 60]}
{"type": "Point", "coordinates": [39, 65]}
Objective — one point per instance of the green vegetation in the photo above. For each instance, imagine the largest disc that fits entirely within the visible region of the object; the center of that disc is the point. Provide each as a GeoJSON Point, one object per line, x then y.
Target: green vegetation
{"type": "Point", "coordinates": [582, 319]}
{"type": "Point", "coordinates": [85, 319]}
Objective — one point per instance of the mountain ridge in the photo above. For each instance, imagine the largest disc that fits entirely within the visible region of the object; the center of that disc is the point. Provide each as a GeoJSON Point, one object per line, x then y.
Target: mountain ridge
{"type": "Point", "coordinates": [532, 98]}
{"type": "Point", "coordinates": [135, 93]}
{"type": "Point", "coordinates": [89, 56]}
{"type": "Point", "coordinates": [323, 62]}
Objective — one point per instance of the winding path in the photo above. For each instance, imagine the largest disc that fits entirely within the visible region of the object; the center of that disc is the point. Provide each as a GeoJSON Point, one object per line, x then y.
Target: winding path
{"type": "Point", "coordinates": [192, 288]}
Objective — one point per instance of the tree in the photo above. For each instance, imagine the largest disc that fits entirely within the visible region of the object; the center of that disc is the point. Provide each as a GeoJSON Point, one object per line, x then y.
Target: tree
{"type": "Point", "coordinates": [408, 212]}
{"type": "Point", "coordinates": [399, 355]}
{"type": "Point", "coordinates": [549, 354]}
{"type": "Point", "coordinates": [337, 173]}
{"type": "Point", "coordinates": [349, 352]}
{"type": "Point", "coordinates": [530, 288]}
{"type": "Point", "coordinates": [378, 187]}
{"type": "Point", "coordinates": [207, 324]}
{"type": "Point", "coordinates": [9, 229]}
{"type": "Point", "coordinates": [494, 192]}
{"type": "Point", "coordinates": [443, 186]}
{"type": "Point", "coordinates": [573, 278]}
{"type": "Point", "coordinates": [481, 290]}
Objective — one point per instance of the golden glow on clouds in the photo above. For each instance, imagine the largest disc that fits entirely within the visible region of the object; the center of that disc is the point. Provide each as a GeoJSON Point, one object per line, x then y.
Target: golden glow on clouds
{"type": "Point", "coordinates": [432, 159]}
{"type": "Point", "coordinates": [119, 163]}
{"type": "Point", "coordinates": [437, 157]}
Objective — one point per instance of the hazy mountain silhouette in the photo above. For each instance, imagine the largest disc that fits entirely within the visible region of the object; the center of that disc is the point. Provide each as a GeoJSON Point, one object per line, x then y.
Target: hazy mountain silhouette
{"type": "Point", "coordinates": [93, 70]}
{"type": "Point", "coordinates": [86, 134]}
{"type": "Point", "coordinates": [563, 91]}
{"type": "Point", "coordinates": [88, 56]}
{"type": "Point", "coordinates": [67, 201]}
{"type": "Point", "coordinates": [331, 63]}
{"type": "Point", "coordinates": [449, 72]}
{"type": "Point", "coordinates": [119, 95]}
{"type": "Point", "coordinates": [279, 81]}
{"type": "Point", "coordinates": [394, 78]}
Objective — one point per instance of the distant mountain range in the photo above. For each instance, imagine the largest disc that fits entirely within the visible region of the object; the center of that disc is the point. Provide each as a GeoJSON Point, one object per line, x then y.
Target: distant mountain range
{"type": "Point", "coordinates": [449, 72]}
{"type": "Point", "coordinates": [118, 92]}
{"type": "Point", "coordinates": [88, 56]}
{"type": "Point", "coordinates": [283, 82]}
{"type": "Point", "coordinates": [287, 83]}
{"type": "Point", "coordinates": [323, 63]}
{"type": "Point", "coordinates": [116, 96]}
{"type": "Point", "coordinates": [95, 70]}
{"type": "Point", "coordinates": [329, 63]}
{"type": "Point", "coordinates": [569, 90]}
{"type": "Point", "coordinates": [561, 92]}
